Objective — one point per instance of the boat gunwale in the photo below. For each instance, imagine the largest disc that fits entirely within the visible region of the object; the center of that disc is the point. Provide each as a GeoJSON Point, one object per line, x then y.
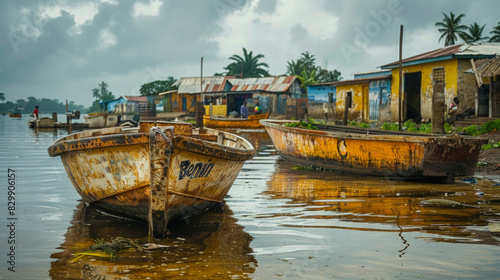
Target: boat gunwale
{"type": "Point", "coordinates": [364, 134]}
{"type": "Point", "coordinates": [184, 142]}
{"type": "Point", "coordinates": [251, 118]}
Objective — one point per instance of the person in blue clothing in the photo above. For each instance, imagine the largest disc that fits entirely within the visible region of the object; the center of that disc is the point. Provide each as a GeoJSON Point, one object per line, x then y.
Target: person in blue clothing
{"type": "Point", "coordinates": [244, 110]}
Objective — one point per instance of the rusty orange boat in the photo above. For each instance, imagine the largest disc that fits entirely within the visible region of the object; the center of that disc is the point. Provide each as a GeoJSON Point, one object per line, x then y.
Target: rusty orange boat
{"type": "Point", "coordinates": [371, 152]}
{"type": "Point", "coordinates": [252, 122]}
{"type": "Point", "coordinates": [157, 173]}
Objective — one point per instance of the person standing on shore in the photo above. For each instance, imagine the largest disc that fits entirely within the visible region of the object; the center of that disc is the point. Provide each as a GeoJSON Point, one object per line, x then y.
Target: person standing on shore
{"type": "Point", "coordinates": [244, 110]}
{"type": "Point", "coordinates": [325, 110]}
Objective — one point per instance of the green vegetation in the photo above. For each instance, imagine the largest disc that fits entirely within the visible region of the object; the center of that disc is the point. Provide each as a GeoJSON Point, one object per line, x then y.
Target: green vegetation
{"type": "Point", "coordinates": [480, 129]}
{"type": "Point", "coordinates": [301, 124]}
{"type": "Point", "coordinates": [247, 66]}
{"type": "Point", "coordinates": [496, 33]}
{"type": "Point", "coordinates": [451, 28]}
{"type": "Point", "coordinates": [308, 73]}
{"type": "Point", "coordinates": [100, 93]}
{"type": "Point", "coordinates": [156, 87]}
{"type": "Point", "coordinates": [491, 146]}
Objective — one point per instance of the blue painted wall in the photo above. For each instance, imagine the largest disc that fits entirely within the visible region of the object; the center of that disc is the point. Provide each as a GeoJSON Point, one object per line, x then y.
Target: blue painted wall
{"type": "Point", "coordinates": [321, 93]}
{"type": "Point", "coordinates": [380, 99]}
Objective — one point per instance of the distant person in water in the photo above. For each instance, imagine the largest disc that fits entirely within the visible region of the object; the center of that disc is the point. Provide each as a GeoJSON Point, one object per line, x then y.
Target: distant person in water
{"type": "Point", "coordinates": [35, 112]}
{"type": "Point", "coordinates": [244, 110]}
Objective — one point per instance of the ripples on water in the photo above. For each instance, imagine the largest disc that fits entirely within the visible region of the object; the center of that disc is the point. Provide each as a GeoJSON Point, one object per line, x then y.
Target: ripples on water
{"type": "Point", "coordinates": [278, 221]}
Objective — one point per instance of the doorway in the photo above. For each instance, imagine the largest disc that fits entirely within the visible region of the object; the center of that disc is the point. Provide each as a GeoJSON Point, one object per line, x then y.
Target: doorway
{"type": "Point", "coordinates": [412, 85]}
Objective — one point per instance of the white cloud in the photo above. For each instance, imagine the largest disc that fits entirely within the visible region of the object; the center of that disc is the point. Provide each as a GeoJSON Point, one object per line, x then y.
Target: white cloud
{"type": "Point", "coordinates": [106, 40]}
{"type": "Point", "coordinates": [264, 32]}
{"type": "Point", "coordinates": [150, 9]}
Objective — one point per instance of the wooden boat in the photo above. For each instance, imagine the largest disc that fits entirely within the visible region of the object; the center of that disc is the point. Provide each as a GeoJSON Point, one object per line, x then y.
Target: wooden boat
{"type": "Point", "coordinates": [15, 115]}
{"type": "Point", "coordinates": [377, 152]}
{"type": "Point", "coordinates": [222, 122]}
{"type": "Point", "coordinates": [157, 173]}
{"type": "Point", "coordinates": [100, 120]}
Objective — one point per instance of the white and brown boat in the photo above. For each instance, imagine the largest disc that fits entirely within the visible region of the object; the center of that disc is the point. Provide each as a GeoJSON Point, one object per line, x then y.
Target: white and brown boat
{"type": "Point", "coordinates": [158, 172]}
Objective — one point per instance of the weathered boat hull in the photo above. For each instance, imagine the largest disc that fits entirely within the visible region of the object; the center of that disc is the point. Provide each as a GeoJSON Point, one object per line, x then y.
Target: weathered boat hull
{"type": "Point", "coordinates": [218, 122]}
{"type": "Point", "coordinates": [402, 155]}
{"type": "Point", "coordinates": [100, 120]}
{"type": "Point", "coordinates": [158, 176]}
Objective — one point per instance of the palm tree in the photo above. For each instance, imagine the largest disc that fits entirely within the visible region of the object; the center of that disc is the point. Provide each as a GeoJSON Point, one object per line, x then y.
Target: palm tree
{"type": "Point", "coordinates": [247, 66]}
{"type": "Point", "coordinates": [475, 34]}
{"type": "Point", "coordinates": [304, 63]}
{"type": "Point", "coordinates": [450, 27]}
{"type": "Point", "coordinates": [496, 33]}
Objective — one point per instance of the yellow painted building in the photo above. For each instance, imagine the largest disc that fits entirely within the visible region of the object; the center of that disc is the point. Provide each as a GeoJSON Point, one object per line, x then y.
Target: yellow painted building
{"type": "Point", "coordinates": [356, 94]}
{"type": "Point", "coordinates": [431, 80]}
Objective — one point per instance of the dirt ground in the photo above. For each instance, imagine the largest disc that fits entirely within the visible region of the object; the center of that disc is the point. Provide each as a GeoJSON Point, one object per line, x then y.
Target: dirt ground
{"type": "Point", "coordinates": [491, 158]}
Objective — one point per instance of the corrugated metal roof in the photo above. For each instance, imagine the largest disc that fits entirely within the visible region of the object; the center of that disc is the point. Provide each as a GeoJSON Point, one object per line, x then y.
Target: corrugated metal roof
{"type": "Point", "coordinates": [191, 85]}
{"type": "Point", "coordinates": [270, 84]}
{"type": "Point", "coordinates": [139, 99]}
{"type": "Point", "coordinates": [476, 49]}
{"type": "Point", "coordinates": [360, 81]}
{"type": "Point", "coordinates": [489, 67]}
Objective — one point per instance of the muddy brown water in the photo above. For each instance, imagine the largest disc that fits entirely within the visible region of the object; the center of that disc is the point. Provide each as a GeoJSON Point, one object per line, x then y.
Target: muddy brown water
{"type": "Point", "coordinates": [278, 222]}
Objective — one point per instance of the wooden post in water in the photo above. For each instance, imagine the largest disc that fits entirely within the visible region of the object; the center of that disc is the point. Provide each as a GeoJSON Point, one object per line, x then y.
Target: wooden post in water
{"type": "Point", "coordinates": [347, 102]}
{"type": "Point", "coordinates": [400, 74]}
{"type": "Point", "coordinates": [199, 108]}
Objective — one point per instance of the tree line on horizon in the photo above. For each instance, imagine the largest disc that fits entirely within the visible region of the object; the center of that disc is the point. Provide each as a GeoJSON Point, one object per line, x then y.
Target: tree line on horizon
{"type": "Point", "coordinates": [46, 105]}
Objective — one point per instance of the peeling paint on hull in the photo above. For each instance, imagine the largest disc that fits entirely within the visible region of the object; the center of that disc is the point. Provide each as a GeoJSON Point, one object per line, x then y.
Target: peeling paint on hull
{"type": "Point", "coordinates": [360, 151]}
{"type": "Point", "coordinates": [113, 169]}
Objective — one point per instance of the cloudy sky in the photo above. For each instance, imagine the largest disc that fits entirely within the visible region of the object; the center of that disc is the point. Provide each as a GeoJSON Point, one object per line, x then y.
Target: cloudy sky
{"type": "Point", "coordinates": [61, 49]}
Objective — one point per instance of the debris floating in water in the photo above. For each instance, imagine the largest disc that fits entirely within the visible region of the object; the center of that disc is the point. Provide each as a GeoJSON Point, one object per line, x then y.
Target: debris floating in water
{"type": "Point", "coordinates": [109, 249]}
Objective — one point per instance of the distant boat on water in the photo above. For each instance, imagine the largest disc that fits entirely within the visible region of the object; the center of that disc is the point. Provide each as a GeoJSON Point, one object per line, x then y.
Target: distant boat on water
{"type": "Point", "coordinates": [251, 122]}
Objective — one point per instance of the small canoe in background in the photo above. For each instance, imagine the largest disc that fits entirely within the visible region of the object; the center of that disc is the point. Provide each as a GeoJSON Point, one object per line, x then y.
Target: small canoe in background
{"type": "Point", "coordinates": [377, 152]}
{"type": "Point", "coordinates": [157, 173]}
{"type": "Point", "coordinates": [222, 122]}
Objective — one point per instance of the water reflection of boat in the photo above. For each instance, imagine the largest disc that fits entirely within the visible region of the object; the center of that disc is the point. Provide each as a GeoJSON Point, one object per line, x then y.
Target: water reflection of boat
{"type": "Point", "coordinates": [223, 122]}
{"type": "Point", "coordinates": [152, 174]}
{"type": "Point", "coordinates": [368, 202]}
{"type": "Point", "coordinates": [377, 152]}
{"type": "Point", "coordinates": [208, 245]}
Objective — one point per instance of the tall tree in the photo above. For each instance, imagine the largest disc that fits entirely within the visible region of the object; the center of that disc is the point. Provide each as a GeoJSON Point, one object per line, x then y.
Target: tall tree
{"type": "Point", "coordinates": [156, 87]}
{"type": "Point", "coordinates": [2, 96]}
{"type": "Point", "coordinates": [326, 76]}
{"type": "Point", "coordinates": [100, 93]}
{"type": "Point", "coordinates": [307, 71]}
{"type": "Point", "coordinates": [247, 66]}
{"type": "Point", "coordinates": [450, 28]}
{"type": "Point", "coordinates": [496, 33]}
{"type": "Point", "coordinates": [474, 34]}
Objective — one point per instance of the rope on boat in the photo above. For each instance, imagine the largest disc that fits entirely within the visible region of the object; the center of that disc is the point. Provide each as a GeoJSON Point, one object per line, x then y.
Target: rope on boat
{"type": "Point", "coordinates": [169, 130]}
